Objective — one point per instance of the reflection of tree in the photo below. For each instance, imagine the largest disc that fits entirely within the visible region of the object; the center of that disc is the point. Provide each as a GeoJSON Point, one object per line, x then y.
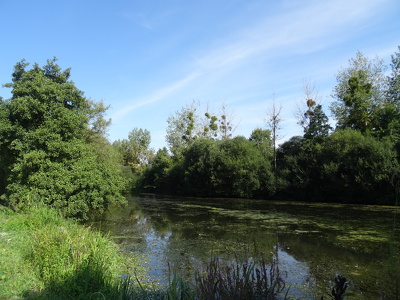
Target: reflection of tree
{"type": "Point", "coordinates": [186, 233]}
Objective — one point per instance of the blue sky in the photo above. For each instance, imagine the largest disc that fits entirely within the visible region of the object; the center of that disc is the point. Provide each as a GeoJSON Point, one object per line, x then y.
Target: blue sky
{"type": "Point", "coordinates": [148, 59]}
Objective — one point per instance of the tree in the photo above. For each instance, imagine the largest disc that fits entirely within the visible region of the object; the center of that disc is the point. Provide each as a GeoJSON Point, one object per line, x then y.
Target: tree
{"type": "Point", "coordinates": [262, 139]}
{"type": "Point", "coordinates": [318, 125]}
{"type": "Point", "coordinates": [51, 152]}
{"type": "Point", "coordinates": [261, 136]}
{"type": "Point", "coordinates": [393, 90]}
{"type": "Point", "coordinates": [358, 100]}
{"type": "Point", "coordinates": [346, 166]}
{"type": "Point", "coordinates": [98, 124]}
{"type": "Point", "coordinates": [226, 123]}
{"type": "Point", "coordinates": [311, 97]}
{"type": "Point", "coordinates": [389, 115]}
{"type": "Point", "coordinates": [135, 151]}
{"type": "Point", "coordinates": [357, 167]}
{"type": "Point", "coordinates": [273, 122]}
{"type": "Point", "coordinates": [359, 93]}
{"type": "Point", "coordinates": [155, 176]}
{"type": "Point", "coordinates": [210, 127]}
{"type": "Point", "coordinates": [181, 131]}
{"type": "Point", "coordinates": [227, 168]}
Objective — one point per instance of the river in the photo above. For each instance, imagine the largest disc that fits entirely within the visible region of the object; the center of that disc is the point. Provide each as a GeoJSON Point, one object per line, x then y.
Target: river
{"type": "Point", "coordinates": [313, 241]}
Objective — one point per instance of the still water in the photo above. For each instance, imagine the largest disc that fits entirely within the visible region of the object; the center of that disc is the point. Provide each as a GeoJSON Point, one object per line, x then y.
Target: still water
{"type": "Point", "coordinates": [313, 241]}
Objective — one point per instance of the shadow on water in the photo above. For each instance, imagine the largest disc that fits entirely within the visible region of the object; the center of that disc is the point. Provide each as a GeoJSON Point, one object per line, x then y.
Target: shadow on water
{"type": "Point", "coordinates": [315, 241]}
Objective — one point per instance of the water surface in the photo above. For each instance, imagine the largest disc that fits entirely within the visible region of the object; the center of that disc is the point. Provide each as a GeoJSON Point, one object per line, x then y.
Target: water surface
{"type": "Point", "coordinates": [313, 241]}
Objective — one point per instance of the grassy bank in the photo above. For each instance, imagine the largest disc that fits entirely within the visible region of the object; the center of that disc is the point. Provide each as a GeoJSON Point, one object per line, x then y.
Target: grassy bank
{"type": "Point", "coordinates": [44, 256]}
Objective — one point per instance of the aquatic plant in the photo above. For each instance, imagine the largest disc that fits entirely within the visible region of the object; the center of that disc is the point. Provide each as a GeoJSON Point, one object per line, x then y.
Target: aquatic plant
{"type": "Point", "coordinates": [246, 280]}
{"type": "Point", "coordinates": [338, 291]}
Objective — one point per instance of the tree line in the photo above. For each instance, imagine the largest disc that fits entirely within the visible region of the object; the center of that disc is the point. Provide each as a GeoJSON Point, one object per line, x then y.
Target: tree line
{"type": "Point", "coordinates": [54, 149]}
{"type": "Point", "coordinates": [354, 160]}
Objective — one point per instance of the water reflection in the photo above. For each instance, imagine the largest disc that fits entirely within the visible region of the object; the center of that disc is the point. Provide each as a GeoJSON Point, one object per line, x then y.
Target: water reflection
{"type": "Point", "coordinates": [315, 241]}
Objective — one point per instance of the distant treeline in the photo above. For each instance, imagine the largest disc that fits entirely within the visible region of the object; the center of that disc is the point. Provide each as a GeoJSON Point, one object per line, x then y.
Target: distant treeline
{"type": "Point", "coordinates": [354, 161]}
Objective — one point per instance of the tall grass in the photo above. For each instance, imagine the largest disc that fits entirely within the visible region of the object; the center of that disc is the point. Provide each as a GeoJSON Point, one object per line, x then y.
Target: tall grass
{"type": "Point", "coordinates": [53, 258]}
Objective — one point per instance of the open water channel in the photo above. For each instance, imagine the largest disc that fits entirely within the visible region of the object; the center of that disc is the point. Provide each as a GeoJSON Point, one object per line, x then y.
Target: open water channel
{"type": "Point", "coordinates": [313, 241]}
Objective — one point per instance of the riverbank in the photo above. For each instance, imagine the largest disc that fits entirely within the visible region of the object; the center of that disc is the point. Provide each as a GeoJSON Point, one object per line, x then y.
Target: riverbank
{"type": "Point", "coordinates": [44, 256]}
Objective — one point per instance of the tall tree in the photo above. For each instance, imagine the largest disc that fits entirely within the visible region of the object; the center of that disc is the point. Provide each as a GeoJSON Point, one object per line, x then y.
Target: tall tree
{"type": "Point", "coordinates": [393, 91]}
{"type": "Point", "coordinates": [226, 123]}
{"type": "Point", "coordinates": [262, 139]}
{"type": "Point", "coordinates": [181, 130]}
{"type": "Point", "coordinates": [135, 151]}
{"type": "Point", "coordinates": [359, 93]}
{"type": "Point", "coordinates": [318, 123]}
{"type": "Point", "coordinates": [273, 121]}
{"type": "Point", "coordinates": [210, 126]}
{"type": "Point", "coordinates": [51, 152]}
{"type": "Point", "coordinates": [311, 100]}
{"type": "Point", "coordinates": [389, 115]}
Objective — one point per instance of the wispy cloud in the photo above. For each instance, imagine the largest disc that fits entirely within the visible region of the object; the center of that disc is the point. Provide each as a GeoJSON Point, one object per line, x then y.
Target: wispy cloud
{"type": "Point", "coordinates": [157, 96]}
{"type": "Point", "coordinates": [305, 28]}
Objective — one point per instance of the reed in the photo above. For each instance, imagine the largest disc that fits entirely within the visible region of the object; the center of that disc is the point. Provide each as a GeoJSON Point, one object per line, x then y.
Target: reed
{"type": "Point", "coordinates": [246, 280]}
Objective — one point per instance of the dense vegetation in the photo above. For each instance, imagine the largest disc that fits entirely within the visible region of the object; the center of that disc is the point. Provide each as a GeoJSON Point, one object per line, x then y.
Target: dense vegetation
{"type": "Point", "coordinates": [357, 161]}
{"type": "Point", "coordinates": [54, 150]}
{"type": "Point", "coordinates": [52, 145]}
{"type": "Point", "coordinates": [55, 160]}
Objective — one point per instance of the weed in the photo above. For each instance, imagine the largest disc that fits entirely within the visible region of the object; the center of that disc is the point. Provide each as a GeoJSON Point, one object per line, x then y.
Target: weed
{"type": "Point", "coordinates": [246, 280]}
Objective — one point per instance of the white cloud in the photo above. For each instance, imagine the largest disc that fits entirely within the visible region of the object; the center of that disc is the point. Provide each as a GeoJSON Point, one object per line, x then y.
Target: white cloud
{"type": "Point", "coordinates": [158, 95]}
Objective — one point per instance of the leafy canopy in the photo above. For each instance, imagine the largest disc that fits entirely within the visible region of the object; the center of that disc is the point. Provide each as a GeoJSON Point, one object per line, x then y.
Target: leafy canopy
{"type": "Point", "coordinates": [53, 145]}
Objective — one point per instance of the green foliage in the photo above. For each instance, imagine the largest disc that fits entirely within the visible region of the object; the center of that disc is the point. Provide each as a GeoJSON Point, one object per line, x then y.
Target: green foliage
{"type": "Point", "coordinates": [393, 90]}
{"type": "Point", "coordinates": [359, 93]}
{"type": "Point", "coordinates": [346, 166]}
{"type": "Point", "coordinates": [199, 167]}
{"type": "Point", "coordinates": [318, 125]}
{"type": "Point", "coordinates": [135, 151]}
{"type": "Point", "coordinates": [358, 167]}
{"type": "Point", "coordinates": [262, 139]}
{"type": "Point", "coordinates": [156, 176]}
{"type": "Point", "coordinates": [299, 168]}
{"type": "Point", "coordinates": [230, 168]}
{"type": "Point", "coordinates": [52, 147]}
{"type": "Point", "coordinates": [48, 257]}
{"type": "Point", "coordinates": [211, 127]}
{"type": "Point", "coordinates": [358, 99]}
{"type": "Point", "coordinates": [389, 115]}
{"type": "Point", "coordinates": [181, 131]}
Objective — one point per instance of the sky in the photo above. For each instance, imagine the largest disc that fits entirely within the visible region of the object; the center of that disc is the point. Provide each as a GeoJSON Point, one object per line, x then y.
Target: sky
{"type": "Point", "coordinates": [149, 59]}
